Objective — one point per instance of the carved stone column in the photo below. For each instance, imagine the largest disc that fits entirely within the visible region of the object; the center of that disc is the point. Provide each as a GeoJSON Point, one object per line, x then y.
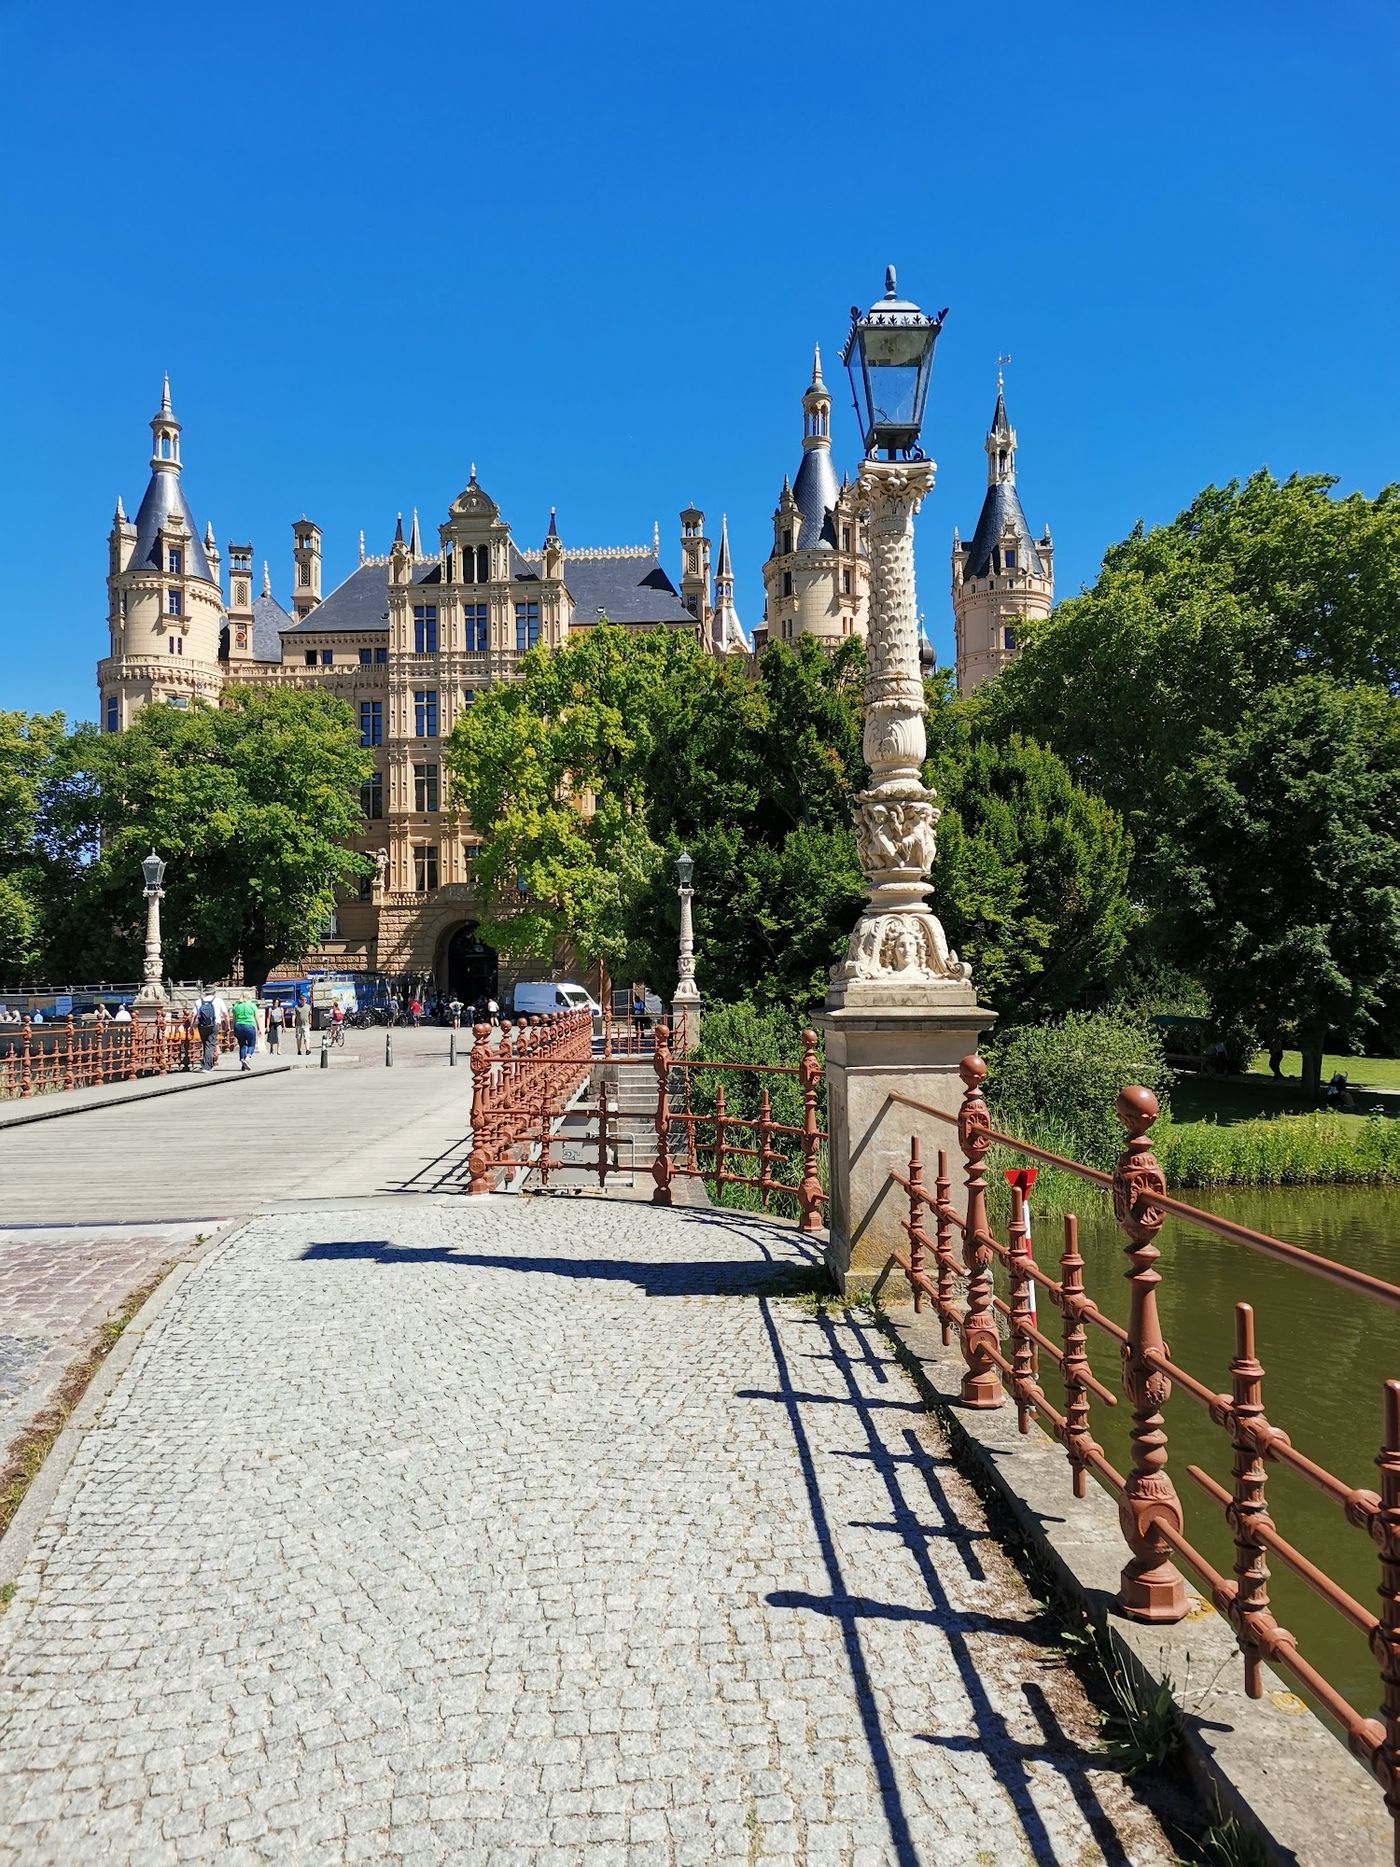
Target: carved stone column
{"type": "Point", "coordinates": [685, 1006]}
{"type": "Point", "coordinates": [152, 990]}
{"type": "Point", "coordinates": [901, 1012]}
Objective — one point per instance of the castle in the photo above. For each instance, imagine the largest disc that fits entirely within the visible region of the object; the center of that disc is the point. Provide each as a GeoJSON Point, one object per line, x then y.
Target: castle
{"type": "Point", "coordinates": [410, 638]}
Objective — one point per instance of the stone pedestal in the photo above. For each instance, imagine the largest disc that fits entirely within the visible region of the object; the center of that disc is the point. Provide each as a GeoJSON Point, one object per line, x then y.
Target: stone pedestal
{"type": "Point", "coordinates": [685, 1019]}
{"type": "Point", "coordinates": [879, 1044]}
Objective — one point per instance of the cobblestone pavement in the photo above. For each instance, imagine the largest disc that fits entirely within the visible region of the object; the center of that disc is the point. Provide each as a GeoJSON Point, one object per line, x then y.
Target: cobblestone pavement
{"type": "Point", "coordinates": [524, 1531]}
{"type": "Point", "coordinates": [57, 1284]}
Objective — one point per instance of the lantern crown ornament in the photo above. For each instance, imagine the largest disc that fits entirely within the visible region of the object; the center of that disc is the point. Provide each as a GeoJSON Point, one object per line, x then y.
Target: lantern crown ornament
{"type": "Point", "coordinates": [153, 868]}
{"type": "Point", "coordinates": [889, 356]}
{"type": "Point", "coordinates": [685, 868]}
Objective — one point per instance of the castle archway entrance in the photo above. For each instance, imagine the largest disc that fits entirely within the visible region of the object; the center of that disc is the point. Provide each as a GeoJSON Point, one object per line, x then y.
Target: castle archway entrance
{"type": "Point", "coordinates": [466, 967]}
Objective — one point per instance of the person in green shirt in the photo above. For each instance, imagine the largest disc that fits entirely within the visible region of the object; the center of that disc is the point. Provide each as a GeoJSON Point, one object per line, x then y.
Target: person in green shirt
{"type": "Point", "coordinates": [245, 1030]}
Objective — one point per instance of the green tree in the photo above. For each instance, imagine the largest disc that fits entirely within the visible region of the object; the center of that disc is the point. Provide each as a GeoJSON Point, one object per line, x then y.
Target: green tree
{"type": "Point", "coordinates": [1276, 868]}
{"type": "Point", "coordinates": [30, 746]}
{"type": "Point", "coordinates": [551, 770]}
{"type": "Point", "coordinates": [1031, 876]}
{"type": "Point", "coordinates": [250, 802]}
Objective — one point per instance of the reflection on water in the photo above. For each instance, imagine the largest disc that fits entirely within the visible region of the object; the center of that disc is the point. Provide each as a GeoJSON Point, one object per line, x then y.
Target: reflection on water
{"type": "Point", "coordinates": [1325, 1353]}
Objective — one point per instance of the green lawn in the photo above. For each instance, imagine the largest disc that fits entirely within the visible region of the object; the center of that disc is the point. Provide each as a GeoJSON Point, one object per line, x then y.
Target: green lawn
{"type": "Point", "coordinates": [1360, 1072]}
{"type": "Point", "coordinates": [1257, 1098]}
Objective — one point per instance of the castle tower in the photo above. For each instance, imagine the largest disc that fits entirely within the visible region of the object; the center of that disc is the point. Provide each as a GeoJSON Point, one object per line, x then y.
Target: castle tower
{"type": "Point", "coordinates": [165, 604]}
{"type": "Point", "coordinates": [306, 550]}
{"type": "Point", "coordinates": [726, 632]}
{"type": "Point", "coordinates": [695, 568]}
{"type": "Point", "coordinates": [817, 577]}
{"type": "Point", "coordinates": [240, 604]}
{"type": "Point", "coordinates": [1003, 577]}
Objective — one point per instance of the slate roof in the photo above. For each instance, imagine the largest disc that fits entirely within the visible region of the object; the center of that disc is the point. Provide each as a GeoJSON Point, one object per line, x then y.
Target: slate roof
{"type": "Point", "coordinates": [269, 620]}
{"type": "Point", "coordinates": [816, 490]}
{"type": "Point", "coordinates": [631, 590]}
{"type": "Point", "coordinates": [1000, 508]}
{"type": "Point", "coordinates": [165, 496]}
{"type": "Point", "coordinates": [361, 602]}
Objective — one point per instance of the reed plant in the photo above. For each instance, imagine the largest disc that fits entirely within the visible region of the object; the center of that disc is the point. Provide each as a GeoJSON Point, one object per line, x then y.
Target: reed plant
{"type": "Point", "coordinates": [1291, 1150]}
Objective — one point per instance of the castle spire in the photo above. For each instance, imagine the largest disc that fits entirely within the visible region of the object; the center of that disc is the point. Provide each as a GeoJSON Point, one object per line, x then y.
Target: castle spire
{"type": "Point", "coordinates": [415, 543]}
{"type": "Point", "coordinates": [165, 435]}
{"type": "Point", "coordinates": [553, 531]}
{"type": "Point", "coordinates": [267, 579]}
{"type": "Point", "coordinates": [120, 516]}
{"type": "Point", "coordinates": [816, 407]}
{"type": "Point", "coordinates": [398, 531]}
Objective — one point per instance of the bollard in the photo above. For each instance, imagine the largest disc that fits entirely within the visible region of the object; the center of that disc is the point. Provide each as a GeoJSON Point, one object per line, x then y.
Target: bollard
{"type": "Point", "coordinates": [388, 1050]}
{"type": "Point", "coordinates": [325, 1051]}
{"type": "Point", "coordinates": [452, 1050]}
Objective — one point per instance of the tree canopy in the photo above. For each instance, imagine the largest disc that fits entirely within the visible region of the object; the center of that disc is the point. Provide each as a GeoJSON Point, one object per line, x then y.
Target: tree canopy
{"type": "Point", "coordinates": [30, 744]}
{"type": "Point", "coordinates": [251, 802]}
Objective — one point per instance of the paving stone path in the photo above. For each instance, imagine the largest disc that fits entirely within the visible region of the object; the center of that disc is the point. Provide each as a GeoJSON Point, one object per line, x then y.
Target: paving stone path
{"type": "Point", "coordinates": [522, 1531]}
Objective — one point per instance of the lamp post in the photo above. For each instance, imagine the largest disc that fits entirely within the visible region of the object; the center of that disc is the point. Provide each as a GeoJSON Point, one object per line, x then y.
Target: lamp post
{"type": "Point", "coordinates": [685, 1005]}
{"type": "Point", "coordinates": [152, 989]}
{"type": "Point", "coordinates": [900, 1010]}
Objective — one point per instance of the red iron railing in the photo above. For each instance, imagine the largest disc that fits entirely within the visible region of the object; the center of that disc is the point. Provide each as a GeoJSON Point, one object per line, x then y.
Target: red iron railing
{"type": "Point", "coordinates": [1150, 1511]}
{"type": "Point", "coordinates": [708, 1145]}
{"type": "Point", "coordinates": [520, 1088]}
{"type": "Point", "coordinates": [46, 1057]}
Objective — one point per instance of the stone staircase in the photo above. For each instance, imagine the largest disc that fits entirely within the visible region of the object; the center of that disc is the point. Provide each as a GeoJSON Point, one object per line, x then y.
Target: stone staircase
{"type": "Point", "coordinates": [629, 1083]}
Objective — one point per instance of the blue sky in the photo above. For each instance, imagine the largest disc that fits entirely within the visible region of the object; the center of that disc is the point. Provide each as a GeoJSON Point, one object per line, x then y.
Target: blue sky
{"type": "Point", "coordinates": [589, 248]}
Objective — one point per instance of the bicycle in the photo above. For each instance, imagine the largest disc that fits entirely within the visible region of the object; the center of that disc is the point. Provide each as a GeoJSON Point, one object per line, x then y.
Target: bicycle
{"type": "Point", "coordinates": [338, 1034]}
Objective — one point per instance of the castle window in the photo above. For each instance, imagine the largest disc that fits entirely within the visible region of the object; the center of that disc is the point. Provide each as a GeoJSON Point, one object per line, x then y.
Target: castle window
{"type": "Point", "coordinates": [366, 888]}
{"type": "Point", "coordinates": [371, 722]}
{"type": "Point", "coordinates": [483, 563]}
{"type": "Point", "coordinates": [381, 655]}
{"type": "Point", "coordinates": [425, 636]}
{"type": "Point", "coordinates": [476, 623]}
{"type": "Point", "coordinates": [366, 656]}
{"type": "Point", "coordinates": [372, 796]}
{"type": "Point", "coordinates": [240, 595]}
{"type": "Point", "coordinates": [303, 571]}
{"type": "Point", "coordinates": [527, 626]}
{"type": "Point", "coordinates": [178, 700]}
{"type": "Point", "coordinates": [468, 698]}
{"type": "Point", "coordinates": [176, 560]}
{"type": "Point", "coordinates": [327, 657]}
{"type": "Point", "coordinates": [1010, 560]}
{"type": "Point", "coordinates": [845, 583]}
{"type": "Point", "coordinates": [1008, 640]}
{"type": "Point", "coordinates": [425, 787]}
{"type": "Point", "coordinates": [425, 868]}
{"type": "Point", "coordinates": [787, 583]}
{"type": "Point", "coordinates": [111, 713]}
{"type": "Point", "coordinates": [787, 542]}
{"type": "Point", "coordinates": [425, 712]}
{"type": "Point", "coordinates": [311, 657]}
{"type": "Point", "coordinates": [845, 537]}
{"type": "Point", "coordinates": [172, 603]}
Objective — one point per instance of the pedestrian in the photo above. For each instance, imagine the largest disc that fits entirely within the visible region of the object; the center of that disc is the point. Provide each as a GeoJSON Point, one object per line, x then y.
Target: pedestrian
{"type": "Point", "coordinates": [302, 1019]}
{"type": "Point", "coordinates": [415, 1012]}
{"type": "Point", "coordinates": [274, 1029]}
{"type": "Point", "coordinates": [123, 1015]}
{"type": "Point", "coordinates": [493, 1011]}
{"type": "Point", "coordinates": [210, 1017]}
{"type": "Point", "coordinates": [454, 1005]}
{"type": "Point", "coordinates": [245, 1029]}
{"type": "Point", "coordinates": [1276, 1060]}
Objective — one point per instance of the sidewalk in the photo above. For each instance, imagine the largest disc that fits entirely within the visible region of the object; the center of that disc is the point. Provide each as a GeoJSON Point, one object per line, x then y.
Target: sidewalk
{"type": "Point", "coordinates": [15, 1112]}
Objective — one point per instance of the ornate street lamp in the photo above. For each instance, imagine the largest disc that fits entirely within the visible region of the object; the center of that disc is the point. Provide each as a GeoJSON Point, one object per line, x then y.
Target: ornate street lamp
{"type": "Point", "coordinates": [685, 1006]}
{"type": "Point", "coordinates": [900, 1010]}
{"type": "Point", "coordinates": [889, 356]}
{"type": "Point", "coordinates": [152, 990]}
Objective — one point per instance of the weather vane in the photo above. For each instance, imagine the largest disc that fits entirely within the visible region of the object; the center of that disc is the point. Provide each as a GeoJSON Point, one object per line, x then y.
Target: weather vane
{"type": "Point", "coordinates": [1001, 364]}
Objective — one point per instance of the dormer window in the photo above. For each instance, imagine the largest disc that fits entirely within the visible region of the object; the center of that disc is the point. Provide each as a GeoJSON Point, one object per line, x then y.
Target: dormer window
{"type": "Point", "coordinates": [173, 606]}
{"type": "Point", "coordinates": [1010, 558]}
{"type": "Point", "coordinates": [176, 563]}
{"type": "Point", "coordinates": [787, 542]}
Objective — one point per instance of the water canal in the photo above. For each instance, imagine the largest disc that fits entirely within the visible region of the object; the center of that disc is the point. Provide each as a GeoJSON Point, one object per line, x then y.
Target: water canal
{"type": "Point", "coordinates": [1325, 1353]}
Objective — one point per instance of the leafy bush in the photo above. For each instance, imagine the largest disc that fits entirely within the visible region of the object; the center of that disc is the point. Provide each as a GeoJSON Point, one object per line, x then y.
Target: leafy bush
{"type": "Point", "coordinates": [1290, 1150]}
{"type": "Point", "coordinates": [1068, 1073]}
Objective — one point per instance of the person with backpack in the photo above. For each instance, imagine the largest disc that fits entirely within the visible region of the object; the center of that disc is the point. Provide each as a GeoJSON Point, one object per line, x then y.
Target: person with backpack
{"type": "Point", "coordinates": [210, 1017]}
{"type": "Point", "coordinates": [245, 1030]}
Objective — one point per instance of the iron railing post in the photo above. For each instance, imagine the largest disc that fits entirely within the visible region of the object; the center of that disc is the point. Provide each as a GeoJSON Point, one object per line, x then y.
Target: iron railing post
{"type": "Point", "coordinates": [1022, 1348]}
{"type": "Point", "coordinates": [1151, 1587]}
{"type": "Point", "coordinates": [1385, 1763]}
{"type": "Point", "coordinates": [943, 1245]}
{"type": "Point", "coordinates": [661, 1167]}
{"type": "Point", "coordinates": [1248, 1506]}
{"type": "Point", "coordinates": [916, 1222]}
{"type": "Point", "coordinates": [981, 1385]}
{"type": "Point", "coordinates": [811, 1188]}
{"type": "Point", "coordinates": [1079, 1441]}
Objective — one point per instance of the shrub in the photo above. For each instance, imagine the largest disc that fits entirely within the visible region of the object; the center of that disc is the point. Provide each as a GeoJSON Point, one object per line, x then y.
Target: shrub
{"type": "Point", "coordinates": [1290, 1150]}
{"type": "Point", "coordinates": [1068, 1073]}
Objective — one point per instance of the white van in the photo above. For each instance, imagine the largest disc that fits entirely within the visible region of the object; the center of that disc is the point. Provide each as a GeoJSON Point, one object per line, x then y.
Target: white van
{"type": "Point", "coordinates": [554, 995]}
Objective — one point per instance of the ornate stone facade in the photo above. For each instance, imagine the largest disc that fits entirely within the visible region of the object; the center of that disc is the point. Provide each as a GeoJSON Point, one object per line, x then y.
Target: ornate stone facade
{"type": "Point", "coordinates": [407, 640]}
